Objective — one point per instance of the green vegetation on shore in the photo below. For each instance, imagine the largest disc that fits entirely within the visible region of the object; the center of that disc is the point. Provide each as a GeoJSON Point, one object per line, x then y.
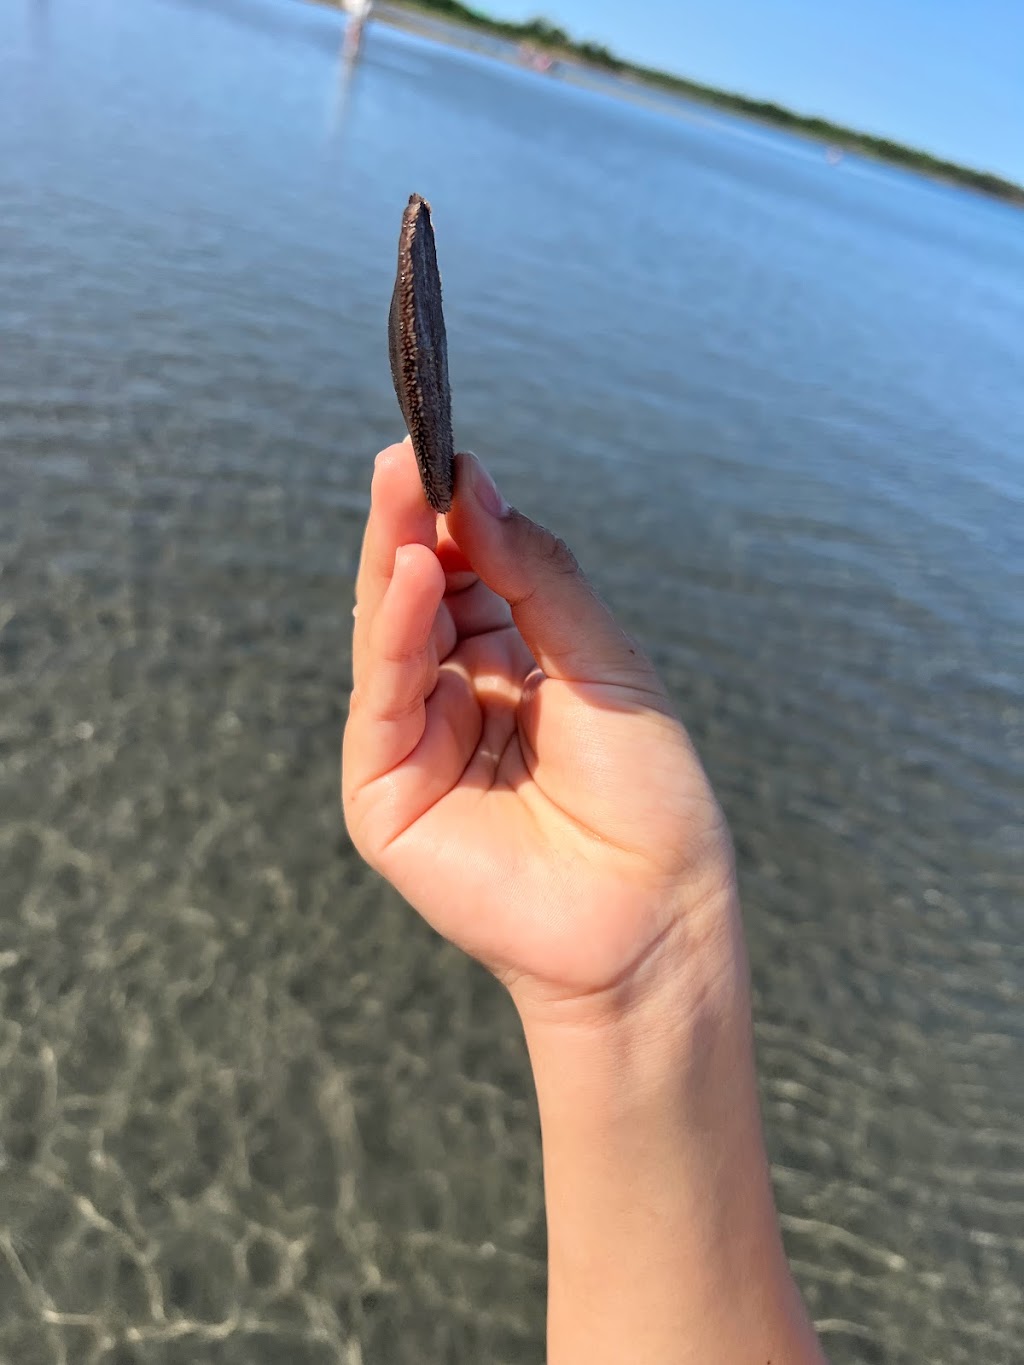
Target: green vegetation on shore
{"type": "Point", "coordinates": [542, 34]}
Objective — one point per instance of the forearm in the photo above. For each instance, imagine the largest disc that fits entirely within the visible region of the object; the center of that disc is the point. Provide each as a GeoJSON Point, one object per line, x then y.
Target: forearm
{"type": "Point", "coordinates": [662, 1233]}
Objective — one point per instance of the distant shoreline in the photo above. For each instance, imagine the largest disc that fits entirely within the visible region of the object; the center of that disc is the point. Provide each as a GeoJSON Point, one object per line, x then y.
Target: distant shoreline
{"type": "Point", "coordinates": [545, 37]}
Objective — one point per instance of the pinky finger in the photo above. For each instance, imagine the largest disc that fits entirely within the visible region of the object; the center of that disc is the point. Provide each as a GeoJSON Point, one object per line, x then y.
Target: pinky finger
{"type": "Point", "coordinates": [387, 715]}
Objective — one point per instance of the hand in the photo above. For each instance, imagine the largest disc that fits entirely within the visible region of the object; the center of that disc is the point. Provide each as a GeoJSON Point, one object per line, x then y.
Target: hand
{"type": "Point", "coordinates": [512, 763]}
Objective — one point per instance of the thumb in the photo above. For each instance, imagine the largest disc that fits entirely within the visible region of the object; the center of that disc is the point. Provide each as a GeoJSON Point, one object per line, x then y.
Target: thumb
{"type": "Point", "coordinates": [568, 629]}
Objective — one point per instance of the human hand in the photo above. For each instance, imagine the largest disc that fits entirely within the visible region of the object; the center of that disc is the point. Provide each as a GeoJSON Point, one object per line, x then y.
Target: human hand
{"type": "Point", "coordinates": [512, 763]}
{"type": "Point", "coordinates": [513, 766]}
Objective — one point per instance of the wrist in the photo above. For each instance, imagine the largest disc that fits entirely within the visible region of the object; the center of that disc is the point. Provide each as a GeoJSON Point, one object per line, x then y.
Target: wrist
{"type": "Point", "coordinates": [694, 977]}
{"type": "Point", "coordinates": [653, 1147]}
{"type": "Point", "coordinates": [672, 1048]}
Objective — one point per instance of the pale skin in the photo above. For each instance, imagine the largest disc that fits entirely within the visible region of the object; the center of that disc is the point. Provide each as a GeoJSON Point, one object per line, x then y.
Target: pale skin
{"type": "Point", "coordinates": [514, 767]}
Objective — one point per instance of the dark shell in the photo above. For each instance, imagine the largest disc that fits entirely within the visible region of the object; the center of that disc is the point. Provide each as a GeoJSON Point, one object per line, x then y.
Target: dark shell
{"type": "Point", "coordinates": [419, 355]}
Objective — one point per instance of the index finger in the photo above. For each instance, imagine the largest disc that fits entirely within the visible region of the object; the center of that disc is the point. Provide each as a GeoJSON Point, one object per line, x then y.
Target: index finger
{"type": "Point", "coordinates": [399, 515]}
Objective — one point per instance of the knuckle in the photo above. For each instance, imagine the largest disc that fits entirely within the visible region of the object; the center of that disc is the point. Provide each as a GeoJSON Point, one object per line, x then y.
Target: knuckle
{"type": "Point", "coordinates": [555, 553]}
{"type": "Point", "coordinates": [401, 656]}
{"type": "Point", "coordinates": [399, 709]}
{"type": "Point", "coordinates": [356, 809]}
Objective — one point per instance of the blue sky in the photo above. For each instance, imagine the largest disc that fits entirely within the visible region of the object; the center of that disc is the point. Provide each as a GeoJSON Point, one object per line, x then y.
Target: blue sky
{"type": "Point", "coordinates": [944, 75]}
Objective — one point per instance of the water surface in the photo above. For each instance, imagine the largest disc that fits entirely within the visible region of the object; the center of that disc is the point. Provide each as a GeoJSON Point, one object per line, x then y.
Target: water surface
{"type": "Point", "coordinates": [252, 1109]}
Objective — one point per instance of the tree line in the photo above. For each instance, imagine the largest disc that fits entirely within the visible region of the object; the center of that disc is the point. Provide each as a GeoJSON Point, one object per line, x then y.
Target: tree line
{"type": "Point", "coordinates": [541, 33]}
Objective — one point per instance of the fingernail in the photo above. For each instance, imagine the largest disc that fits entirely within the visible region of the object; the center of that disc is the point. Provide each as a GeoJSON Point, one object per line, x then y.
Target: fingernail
{"type": "Point", "coordinates": [486, 491]}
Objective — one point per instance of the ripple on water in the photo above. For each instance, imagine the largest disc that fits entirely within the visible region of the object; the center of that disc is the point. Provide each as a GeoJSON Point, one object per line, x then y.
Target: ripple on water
{"type": "Point", "coordinates": [253, 1110]}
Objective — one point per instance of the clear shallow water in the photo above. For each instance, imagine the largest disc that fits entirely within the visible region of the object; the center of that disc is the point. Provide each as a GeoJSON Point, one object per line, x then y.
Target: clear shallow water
{"type": "Point", "coordinates": [252, 1110]}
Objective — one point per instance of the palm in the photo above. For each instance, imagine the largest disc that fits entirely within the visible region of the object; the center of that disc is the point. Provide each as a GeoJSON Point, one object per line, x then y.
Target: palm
{"type": "Point", "coordinates": [535, 821]}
